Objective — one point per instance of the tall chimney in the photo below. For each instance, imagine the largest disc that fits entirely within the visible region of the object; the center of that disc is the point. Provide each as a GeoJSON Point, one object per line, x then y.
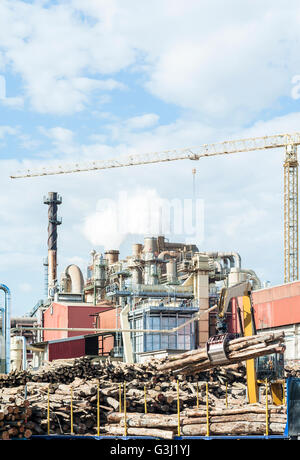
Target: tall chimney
{"type": "Point", "coordinates": [53, 200]}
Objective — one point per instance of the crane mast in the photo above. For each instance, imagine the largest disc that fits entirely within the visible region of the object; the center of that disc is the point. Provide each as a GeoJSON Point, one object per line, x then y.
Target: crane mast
{"type": "Point", "coordinates": [287, 141]}
{"type": "Point", "coordinates": [291, 252]}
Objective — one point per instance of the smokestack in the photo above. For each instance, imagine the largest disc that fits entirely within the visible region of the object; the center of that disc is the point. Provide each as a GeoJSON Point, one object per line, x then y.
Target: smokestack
{"type": "Point", "coordinates": [52, 201]}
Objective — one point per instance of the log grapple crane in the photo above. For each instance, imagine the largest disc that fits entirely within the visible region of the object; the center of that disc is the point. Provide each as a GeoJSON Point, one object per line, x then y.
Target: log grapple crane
{"type": "Point", "coordinates": [216, 345]}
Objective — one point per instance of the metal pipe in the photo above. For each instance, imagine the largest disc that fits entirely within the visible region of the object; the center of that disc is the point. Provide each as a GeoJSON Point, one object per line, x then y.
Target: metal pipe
{"type": "Point", "coordinates": [73, 279]}
{"type": "Point", "coordinates": [6, 326]}
{"type": "Point", "coordinates": [253, 277]}
{"type": "Point", "coordinates": [224, 255]}
{"type": "Point", "coordinates": [24, 354]}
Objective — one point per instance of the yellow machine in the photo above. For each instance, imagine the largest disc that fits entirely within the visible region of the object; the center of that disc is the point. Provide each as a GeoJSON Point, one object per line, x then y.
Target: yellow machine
{"type": "Point", "coordinates": [216, 344]}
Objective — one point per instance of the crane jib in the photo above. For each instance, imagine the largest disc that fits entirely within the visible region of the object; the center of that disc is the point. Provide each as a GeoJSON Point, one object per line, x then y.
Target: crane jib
{"type": "Point", "coordinates": [191, 153]}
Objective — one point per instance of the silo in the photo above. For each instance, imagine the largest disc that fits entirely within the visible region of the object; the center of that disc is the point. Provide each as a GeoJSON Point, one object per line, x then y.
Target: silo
{"type": "Point", "coordinates": [137, 249]}
{"type": "Point", "coordinates": [112, 256]}
{"type": "Point", "coordinates": [171, 271]}
{"type": "Point", "coordinates": [17, 353]}
{"type": "Point", "coordinates": [150, 245]}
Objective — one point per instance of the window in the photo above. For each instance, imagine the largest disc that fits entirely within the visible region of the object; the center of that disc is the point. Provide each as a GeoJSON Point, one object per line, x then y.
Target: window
{"type": "Point", "coordinates": [183, 339]}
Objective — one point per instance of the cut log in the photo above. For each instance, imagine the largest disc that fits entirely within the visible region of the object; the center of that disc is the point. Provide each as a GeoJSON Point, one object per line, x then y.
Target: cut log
{"type": "Point", "coordinates": [156, 433]}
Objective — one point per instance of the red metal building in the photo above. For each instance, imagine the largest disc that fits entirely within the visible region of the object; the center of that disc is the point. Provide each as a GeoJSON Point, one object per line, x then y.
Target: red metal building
{"type": "Point", "coordinates": [70, 315]}
{"type": "Point", "coordinates": [278, 308]}
{"type": "Point", "coordinates": [73, 347]}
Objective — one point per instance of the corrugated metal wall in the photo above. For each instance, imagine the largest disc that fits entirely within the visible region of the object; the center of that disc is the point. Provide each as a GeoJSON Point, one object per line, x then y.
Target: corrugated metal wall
{"type": "Point", "coordinates": [276, 308]}
{"type": "Point", "coordinates": [69, 316]}
{"type": "Point", "coordinates": [66, 349]}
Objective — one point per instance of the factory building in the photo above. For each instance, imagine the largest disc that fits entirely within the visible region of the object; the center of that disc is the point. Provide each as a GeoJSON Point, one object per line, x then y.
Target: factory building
{"type": "Point", "coordinates": [159, 287]}
{"type": "Point", "coordinates": [145, 304]}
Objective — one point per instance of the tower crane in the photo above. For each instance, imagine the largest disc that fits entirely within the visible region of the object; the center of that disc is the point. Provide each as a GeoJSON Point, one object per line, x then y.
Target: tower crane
{"type": "Point", "coordinates": [287, 141]}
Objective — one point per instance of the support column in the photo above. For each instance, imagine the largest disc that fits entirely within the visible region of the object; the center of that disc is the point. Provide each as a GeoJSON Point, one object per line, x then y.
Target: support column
{"type": "Point", "coordinates": [201, 295]}
{"type": "Point", "coordinates": [291, 255]}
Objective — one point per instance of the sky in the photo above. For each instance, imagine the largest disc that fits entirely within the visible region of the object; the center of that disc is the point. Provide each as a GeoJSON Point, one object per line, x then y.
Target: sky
{"type": "Point", "coordinates": [93, 80]}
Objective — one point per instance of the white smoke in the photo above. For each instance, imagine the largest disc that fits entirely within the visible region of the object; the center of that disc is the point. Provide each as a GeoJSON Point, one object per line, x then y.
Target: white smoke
{"type": "Point", "coordinates": [132, 213]}
{"type": "Point", "coordinates": [141, 212]}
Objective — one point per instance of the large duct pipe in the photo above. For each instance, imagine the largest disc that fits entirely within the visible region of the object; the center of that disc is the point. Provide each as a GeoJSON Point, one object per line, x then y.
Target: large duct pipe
{"type": "Point", "coordinates": [234, 257]}
{"type": "Point", "coordinates": [72, 280]}
{"type": "Point", "coordinates": [237, 275]}
{"type": "Point", "coordinates": [137, 276]}
{"type": "Point", "coordinates": [170, 254]}
{"type": "Point", "coordinates": [52, 201]}
{"type": "Point", "coordinates": [253, 277]}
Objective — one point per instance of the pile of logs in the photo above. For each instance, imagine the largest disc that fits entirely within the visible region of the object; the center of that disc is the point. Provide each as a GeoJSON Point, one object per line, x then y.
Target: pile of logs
{"type": "Point", "coordinates": [292, 370]}
{"type": "Point", "coordinates": [247, 420]}
{"type": "Point", "coordinates": [237, 350]}
{"type": "Point", "coordinates": [160, 397]}
{"type": "Point", "coordinates": [58, 371]}
{"type": "Point", "coordinates": [66, 396]}
{"type": "Point", "coordinates": [66, 370]}
{"type": "Point", "coordinates": [79, 403]}
{"type": "Point", "coordinates": [160, 390]}
{"type": "Point", "coordinates": [14, 419]}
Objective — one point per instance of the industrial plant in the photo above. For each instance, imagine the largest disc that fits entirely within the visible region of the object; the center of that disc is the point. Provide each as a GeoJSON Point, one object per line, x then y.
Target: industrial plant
{"type": "Point", "coordinates": [160, 286]}
{"type": "Point", "coordinates": [167, 311]}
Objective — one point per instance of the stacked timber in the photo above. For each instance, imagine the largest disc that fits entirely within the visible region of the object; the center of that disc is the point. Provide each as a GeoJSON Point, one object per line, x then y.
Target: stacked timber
{"type": "Point", "coordinates": [58, 371]}
{"type": "Point", "coordinates": [14, 417]}
{"type": "Point", "coordinates": [66, 370]}
{"type": "Point", "coordinates": [189, 363]}
{"type": "Point", "coordinates": [158, 394]}
{"type": "Point", "coordinates": [292, 369]}
{"type": "Point", "coordinates": [246, 420]}
{"type": "Point", "coordinates": [68, 394]}
{"type": "Point", "coordinates": [74, 409]}
{"type": "Point", "coordinates": [237, 350]}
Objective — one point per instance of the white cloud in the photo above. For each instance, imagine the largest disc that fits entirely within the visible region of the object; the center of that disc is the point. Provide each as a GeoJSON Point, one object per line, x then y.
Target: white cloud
{"type": "Point", "coordinates": [64, 52]}
{"type": "Point", "coordinates": [53, 50]}
{"type": "Point", "coordinates": [62, 139]}
{"type": "Point", "coordinates": [15, 102]}
{"type": "Point", "coordinates": [240, 66]}
{"type": "Point", "coordinates": [143, 121]}
{"type": "Point", "coordinates": [7, 130]}
{"type": "Point", "coordinates": [222, 63]}
{"type": "Point", "coordinates": [59, 134]}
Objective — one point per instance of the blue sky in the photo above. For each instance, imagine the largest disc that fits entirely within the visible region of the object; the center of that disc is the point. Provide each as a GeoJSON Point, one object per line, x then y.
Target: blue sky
{"type": "Point", "coordinates": [97, 79]}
